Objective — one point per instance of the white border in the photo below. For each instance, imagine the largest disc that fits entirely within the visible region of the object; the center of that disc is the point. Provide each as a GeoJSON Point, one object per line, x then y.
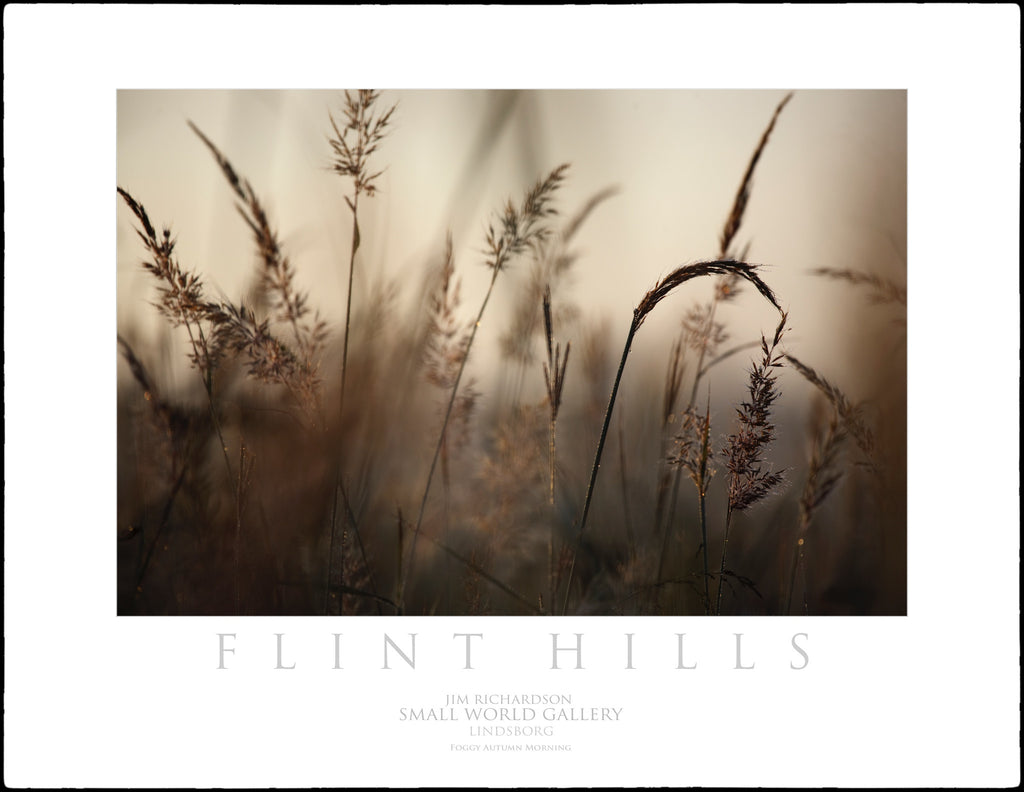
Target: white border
{"type": "Point", "coordinates": [927, 700]}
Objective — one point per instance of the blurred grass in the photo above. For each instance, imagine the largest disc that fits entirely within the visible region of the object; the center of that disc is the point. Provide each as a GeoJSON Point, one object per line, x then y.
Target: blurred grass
{"type": "Point", "coordinates": [495, 518]}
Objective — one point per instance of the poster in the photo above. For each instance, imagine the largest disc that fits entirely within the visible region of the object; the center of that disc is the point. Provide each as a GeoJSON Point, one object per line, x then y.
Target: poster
{"type": "Point", "coordinates": [660, 695]}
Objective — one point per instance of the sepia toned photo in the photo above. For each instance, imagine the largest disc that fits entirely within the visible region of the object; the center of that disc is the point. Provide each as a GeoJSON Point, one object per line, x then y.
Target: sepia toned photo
{"type": "Point", "coordinates": [511, 353]}
{"type": "Point", "coordinates": [511, 396]}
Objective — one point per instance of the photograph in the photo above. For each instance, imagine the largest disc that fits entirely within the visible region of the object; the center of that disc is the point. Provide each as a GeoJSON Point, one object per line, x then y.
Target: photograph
{"type": "Point", "coordinates": [511, 352]}
{"type": "Point", "coordinates": [512, 396]}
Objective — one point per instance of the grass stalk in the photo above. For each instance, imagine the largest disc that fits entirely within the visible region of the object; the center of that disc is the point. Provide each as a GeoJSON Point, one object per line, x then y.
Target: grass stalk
{"type": "Point", "coordinates": [353, 144]}
{"type": "Point", "coordinates": [649, 302]}
{"type": "Point", "coordinates": [354, 205]}
{"type": "Point", "coordinates": [399, 560]}
{"type": "Point", "coordinates": [520, 228]}
{"type": "Point", "coordinates": [702, 505]}
{"type": "Point", "coordinates": [633, 327]}
{"type": "Point", "coordinates": [673, 384]}
{"type": "Point", "coordinates": [749, 481]}
{"type": "Point", "coordinates": [725, 288]}
{"type": "Point", "coordinates": [823, 473]}
{"type": "Point", "coordinates": [721, 570]}
{"type": "Point", "coordinates": [245, 462]}
{"type": "Point", "coordinates": [330, 544]}
{"type": "Point", "coordinates": [181, 303]}
{"type": "Point", "coordinates": [627, 520]}
{"type": "Point", "coordinates": [440, 442]}
{"type": "Point", "coordinates": [554, 382]}
{"type": "Point", "coordinates": [694, 455]}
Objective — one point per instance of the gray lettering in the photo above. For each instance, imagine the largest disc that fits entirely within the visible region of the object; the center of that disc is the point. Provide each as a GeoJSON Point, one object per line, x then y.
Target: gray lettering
{"type": "Point", "coordinates": [739, 662]}
{"type": "Point", "coordinates": [337, 649]}
{"type": "Point", "coordinates": [801, 651]}
{"type": "Point", "coordinates": [681, 664]}
{"type": "Point", "coordinates": [223, 649]}
{"type": "Point", "coordinates": [279, 664]}
{"type": "Point", "coordinates": [555, 649]}
{"type": "Point", "coordinates": [467, 636]}
{"type": "Point", "coordinates": [411, 662]}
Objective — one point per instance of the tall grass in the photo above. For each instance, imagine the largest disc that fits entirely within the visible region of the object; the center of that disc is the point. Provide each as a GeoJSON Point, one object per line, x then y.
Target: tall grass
{"type": "Point", "coordinates": [646, 305]}
{"type": "Point", "coordinates": [518, 229]}
{"type": "Point", "coordinates": [306, 481]}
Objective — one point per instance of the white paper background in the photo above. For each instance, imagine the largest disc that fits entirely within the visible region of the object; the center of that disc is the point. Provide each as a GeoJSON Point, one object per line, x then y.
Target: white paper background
{"type": "Point", "coordinates": [927, 700]}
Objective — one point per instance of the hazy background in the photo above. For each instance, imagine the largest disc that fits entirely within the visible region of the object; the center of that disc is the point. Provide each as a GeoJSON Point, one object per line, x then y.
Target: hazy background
{"type": "Point", "coordinates": [830, 191]}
